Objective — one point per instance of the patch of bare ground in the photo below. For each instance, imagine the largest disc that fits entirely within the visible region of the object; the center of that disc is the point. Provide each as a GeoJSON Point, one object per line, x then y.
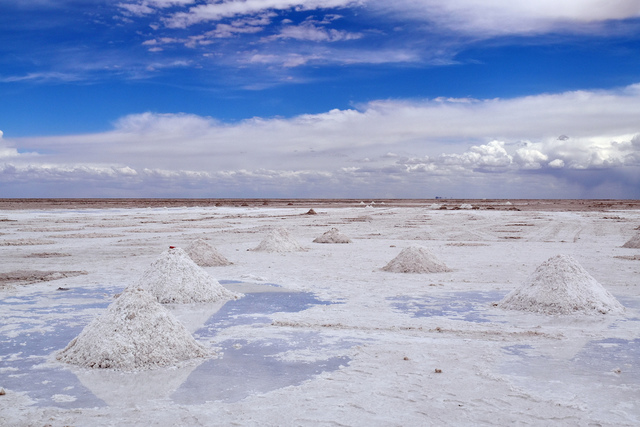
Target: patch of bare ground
{"type": "Point", "coordinates": [628, 257]}
{"type": "Point", "coordinates": [47, 255]}
{"type": "Point", "coordinates": [26, 242]}
{"type": "Point", "coordinates": [466, 244]}
{"type": "Point", "coordinates": [87, 235]}
{"type": "Point", "coordinates": [27, 277]}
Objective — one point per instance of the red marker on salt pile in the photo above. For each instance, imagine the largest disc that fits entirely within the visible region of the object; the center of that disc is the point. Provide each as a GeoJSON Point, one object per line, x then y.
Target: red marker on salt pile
{"type": "Point", "coordinates": [172, 247]}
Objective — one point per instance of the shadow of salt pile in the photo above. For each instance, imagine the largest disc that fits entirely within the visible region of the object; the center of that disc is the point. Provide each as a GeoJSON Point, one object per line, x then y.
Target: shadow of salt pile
{"type": "Point", "coordinates": [633, 243]}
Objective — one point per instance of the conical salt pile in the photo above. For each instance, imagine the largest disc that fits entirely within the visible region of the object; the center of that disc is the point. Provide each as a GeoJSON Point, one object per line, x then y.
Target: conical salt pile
{"type": "Point", "coordinates": [633, 243]}
{"type": "Point", "coordinates": [175, 278]}
{"type": "Point", "coordinates": [332, 236]}
{"type": "Point", "coordinates": [136, 332]}
{"type": "Point", "coordinates": [416, 259]}
{"type": "Point", "coordinates": [205, 255]}
{"type": "Point", "coordinates": [561, 286]}
{"type": "Point", "coordinates": [278, 240]}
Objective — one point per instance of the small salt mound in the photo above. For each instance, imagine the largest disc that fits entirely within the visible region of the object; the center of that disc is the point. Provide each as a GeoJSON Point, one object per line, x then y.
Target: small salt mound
{"type": "Point", "coordinates": [136, 332]}
{"type": "Point", "coordinates": [466, 206]}
{"type": "Point", "coordinates": [561, 286]}
{"type": "Point", "coordinates": [278, 240]}
{"type": "Point", "coordinates": [416, 259]}
{"type": "Point", "coordinates": [633, 243]}
{"type": "Point", "coordinates": [332, 236]}
{"type": "Point", "coordinates": [205, 255]}
{"type": "Point", "coordinates": [175, 278]}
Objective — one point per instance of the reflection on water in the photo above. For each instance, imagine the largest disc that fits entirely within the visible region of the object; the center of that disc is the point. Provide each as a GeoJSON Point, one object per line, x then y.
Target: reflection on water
{"type": "Point", "coordinates": [39, 325]}
{"type": "Point", "coordinates": [249, 368]}
{"type": "Point", "coordinates": [467, 306]}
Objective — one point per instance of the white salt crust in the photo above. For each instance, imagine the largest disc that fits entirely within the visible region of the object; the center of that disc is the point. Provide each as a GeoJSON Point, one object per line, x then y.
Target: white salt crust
{"type": "Point", "coordinates": [416, 259]}
{"type": "Point", "coordinates": [175, 278]}
{"type": "Point", "coordinates": [278, 240]}
{"type": "Point", "coordinates": [205, 255]}
{"type": "Point", "coordinates": [561, 286]}
{"type": "Point", "coordinates": [332, 236]}
{"type": "Point", "coordinates": [135, 333]}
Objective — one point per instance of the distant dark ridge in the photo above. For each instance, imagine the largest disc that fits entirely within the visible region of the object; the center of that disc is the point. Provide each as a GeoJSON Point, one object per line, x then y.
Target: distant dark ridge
{"type": "Point", "coordinates": [445, 204]}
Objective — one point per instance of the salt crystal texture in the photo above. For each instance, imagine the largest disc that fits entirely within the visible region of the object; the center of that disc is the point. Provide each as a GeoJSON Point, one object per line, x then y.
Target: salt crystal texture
{"type": "Point", "coordinates": [416, 259]}
{"type": "Point", "coordinates": [561, 286]}
{"type": "Point", "coordinates": [136, 332]}
{"type": "Point", "coordinates": [175, 278]}
{"type": "Point", "coordinates": [278, 240]}
{"type": "Point", "coordinates": [633, 243]}
{"type": "Point", "coordinates": [332, 236]}
{"type": "Point", "coordinates": [205, 255]}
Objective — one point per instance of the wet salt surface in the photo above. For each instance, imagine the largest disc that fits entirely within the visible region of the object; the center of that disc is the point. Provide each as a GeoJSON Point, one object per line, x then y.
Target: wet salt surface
{"type": "Point", "coordinates": [28, 341]}
{"type": "Point", "coordinates": [465, 306]}
{"type": "Point", "coordinates": [250, 368]}
{"type": "Point", "coordinates": [38, 325]}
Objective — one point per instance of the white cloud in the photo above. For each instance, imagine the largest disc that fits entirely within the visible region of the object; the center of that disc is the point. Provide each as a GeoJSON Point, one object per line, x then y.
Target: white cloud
{"type": "Point", "coordinates": [310, 31]}
{"type": "Point", "coordinates": [458, 139]}
{"type": "Point", "coordinates": [500, 17]}
{"type": "Point", "coordinates": [230, 8]}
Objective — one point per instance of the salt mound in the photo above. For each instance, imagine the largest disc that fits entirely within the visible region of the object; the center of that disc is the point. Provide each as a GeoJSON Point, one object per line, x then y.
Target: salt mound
{"type": "Point", "coordinates": [416, 259]}
{"type": "Point", "coordinates": [136, 332]}
{"type": "Point", "coordinates": [205, 255]}
{"type": "Point", "coordinates": [561, 286]}
{"type": "Point", "coordinates": [332, 236]}
{"type": "Point", "coordinates": [633, 243]}
{"type": "Point", "coordinates": [175, 278]}
{"type": "Point", "coordinates": [278, 240]}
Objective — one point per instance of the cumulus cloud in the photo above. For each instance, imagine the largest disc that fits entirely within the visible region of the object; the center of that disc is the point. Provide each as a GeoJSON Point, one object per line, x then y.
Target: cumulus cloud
{"type": "Point", "coordinates": [453, 139]}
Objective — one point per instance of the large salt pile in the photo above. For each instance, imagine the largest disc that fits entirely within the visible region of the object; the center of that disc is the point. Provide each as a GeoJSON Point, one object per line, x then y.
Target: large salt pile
{"type": "Point", "coordinates": [332, 236]}
{"type": "Point", "coordinates": [205, 255]}
{"type": "Point", "coordinates": [561, 286]}
{"type": "Point", "coordinates": [278, 240]}
{"type": "Point", "coordinates": [633, 242]}
{"type": "Point", "coordinates": [136, 332]}
{"type": "Point", "coordinates": [416, 259]}
{"type": "Point", "coordinates": [175, 278]}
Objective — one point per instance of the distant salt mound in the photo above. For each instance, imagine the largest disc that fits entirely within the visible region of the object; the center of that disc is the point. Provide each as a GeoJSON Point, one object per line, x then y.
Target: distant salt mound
{"type": "Point", "coordinates": [136, 332]}
{"type": "Point", "coordinates": [332, 236]}
{"type": "Point", "coordinates": [633, 243]}
{"type": "Point", "coordinates": [561, 286]}
{"type": "Point", "coordinates": [278, 240]}
{"type": "Point", "coordinates": [205, 255]}
{"type": "Point", "coordinates": [416, 259]}
{"type": "Point", "coordinates": [175, 278]}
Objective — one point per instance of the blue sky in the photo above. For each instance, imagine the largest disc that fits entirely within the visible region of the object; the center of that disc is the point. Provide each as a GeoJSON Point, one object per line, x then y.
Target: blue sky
{"type": "Point", "coordinates": [310, 98]}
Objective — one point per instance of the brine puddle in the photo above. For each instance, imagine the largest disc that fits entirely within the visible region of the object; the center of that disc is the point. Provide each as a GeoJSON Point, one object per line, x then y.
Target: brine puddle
{"type": "Point", "coordinates": [472, 306]}
{"type": "Point", "coordinates": [37, 326]}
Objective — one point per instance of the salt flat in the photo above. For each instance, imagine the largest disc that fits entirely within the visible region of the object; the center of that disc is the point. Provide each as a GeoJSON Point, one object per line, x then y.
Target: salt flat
{"type": "Point", "coordinates": [323, 335]}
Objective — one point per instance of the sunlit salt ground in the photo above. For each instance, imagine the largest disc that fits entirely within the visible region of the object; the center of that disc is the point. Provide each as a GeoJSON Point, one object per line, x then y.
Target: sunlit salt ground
{"type": "Point", "coordinates": [323, 336]}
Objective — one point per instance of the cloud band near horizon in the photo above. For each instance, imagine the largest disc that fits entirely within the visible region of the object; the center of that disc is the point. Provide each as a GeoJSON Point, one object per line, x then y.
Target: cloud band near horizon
{"type": "Point", "coordinates": [577, 144]}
